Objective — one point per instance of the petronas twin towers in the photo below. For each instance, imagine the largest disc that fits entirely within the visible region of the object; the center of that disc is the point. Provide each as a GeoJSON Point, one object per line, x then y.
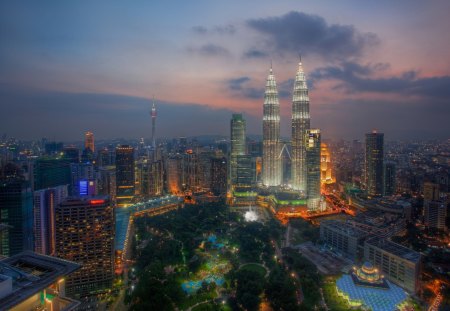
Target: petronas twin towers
{"type": "Point", "coordinates": [272, 166]}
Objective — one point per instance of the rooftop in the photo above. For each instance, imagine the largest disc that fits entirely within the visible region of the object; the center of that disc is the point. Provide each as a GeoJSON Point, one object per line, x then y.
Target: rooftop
{"type": "Point", "coordinates": [394, 248]}
{"type": "Point", "coordinates": [32, 273]}
{"type": "Point", "coordinates": [344, 227]}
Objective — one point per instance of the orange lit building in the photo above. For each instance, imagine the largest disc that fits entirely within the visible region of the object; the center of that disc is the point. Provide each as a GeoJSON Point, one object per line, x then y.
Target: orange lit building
{"type": "Point", "coordinates": [326, 175]}
{"type": "Point", "coordinates": [89, 141]}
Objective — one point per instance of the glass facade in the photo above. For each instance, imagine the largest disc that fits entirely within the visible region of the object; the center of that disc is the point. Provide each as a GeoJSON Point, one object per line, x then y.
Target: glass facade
{"type": "Point", "coordinates": [313, 168]}
{"type": "Point", "coordinates": [374, 168]}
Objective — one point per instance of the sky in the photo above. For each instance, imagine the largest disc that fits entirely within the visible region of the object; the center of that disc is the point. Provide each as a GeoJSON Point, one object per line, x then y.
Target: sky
{"type": "Point", "coordinates": [67, 67]}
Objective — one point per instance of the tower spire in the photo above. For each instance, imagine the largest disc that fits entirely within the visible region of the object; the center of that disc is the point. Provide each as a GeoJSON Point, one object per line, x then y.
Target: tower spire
{"type": "Point", "coordinates": [300, 125]}
{"type": "Point", "coordinates": [153, 114]}
{"type": "Point", "coordinates": [272, 172]}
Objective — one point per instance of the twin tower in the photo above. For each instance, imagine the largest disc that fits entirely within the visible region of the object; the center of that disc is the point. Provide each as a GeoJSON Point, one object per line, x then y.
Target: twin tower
{"type": "Point", "coordinates": [302, 136]}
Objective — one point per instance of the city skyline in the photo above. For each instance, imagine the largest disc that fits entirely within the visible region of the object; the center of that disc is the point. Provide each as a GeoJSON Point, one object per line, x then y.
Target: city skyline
{"type": "Point", "coordinates": [77, 60]}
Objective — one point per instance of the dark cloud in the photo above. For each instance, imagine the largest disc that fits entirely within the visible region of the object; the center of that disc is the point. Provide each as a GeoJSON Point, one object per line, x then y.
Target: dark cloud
{"type": "Point", "coordinates": [240, 87]}
{"type": "Point", "coordinates": [210, 50]}
{"type": "Point", "coordinates": [353, 77]}
{"type": "Point", "coordinates": [221, 30]}
{"type": "Point", "coordinates": [297, 32]}
{"type": "Point", "coordinates": [255, 53]}
{"type": "Point", "coordinates": [65, 116]}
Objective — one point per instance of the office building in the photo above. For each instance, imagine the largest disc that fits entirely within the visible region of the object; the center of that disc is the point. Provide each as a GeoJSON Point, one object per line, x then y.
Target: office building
{"type": "Point", "coordinates": [125, 179]}
{"type": "Point", "coordinates": [237, 135]}
{"type": "Point", "coordinates": [83, 179]}
{"type": "Point", "coordinates": [300, 125]}
{"type": "Point", "coordinates": [435, 213]}
{"type": "Point", "coordinates": [16, 211]}
{"type": "Point", "coordinates": [313, 168]}
{"type": "Point", "coordinates": [44, 204]}
{"type": "Point", "coordinates": [89, 141]}
{"type": "Point", "coordinates": [326, 174]}
{"type": "Point", "coordinates": [271, 170]}
{"type": "Point", "coordinates": [219, 176]}
{"type": "Point", "coordinates": [430, 192]}
{"type": "Point", "coordinates": [374, 164]}
{"type": "Point", "coordinates": [343, 237]}
{"type": "Point", "coordinates": [51, 172]}
{"type": "Point", "coordinates": [390, 182]}
{"type": "Point", "coordinates": [245, 170]}
{"type": "Point", "coordinates": [85, 234]}
{"type": "Point", "coordinates": [399, 264]}
{"type": "Point", "coordinates": [72, 154]}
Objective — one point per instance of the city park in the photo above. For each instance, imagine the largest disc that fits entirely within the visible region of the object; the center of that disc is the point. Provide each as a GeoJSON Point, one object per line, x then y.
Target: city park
{"type": "Point", "coordinates": [209, 257]}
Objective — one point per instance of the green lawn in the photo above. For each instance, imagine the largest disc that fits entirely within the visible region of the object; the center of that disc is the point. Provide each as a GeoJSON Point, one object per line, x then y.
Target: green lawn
{"type": "Point", "coordinates": [334, 302]}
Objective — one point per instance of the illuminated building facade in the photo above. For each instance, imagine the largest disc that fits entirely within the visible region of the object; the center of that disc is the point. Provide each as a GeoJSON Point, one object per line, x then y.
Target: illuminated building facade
{"type": "Point", "coordinates": [245, 170]}
{"type": "Point", "coordinates": [374, 167]}
{"type": "Point", "coordinates": [326, 176]}
{"type": "Point", "coordinates": [85, 234]}
{"type": "Point", "coordinates": [399, 264]}
{"type": "Point", "coordinates": [237, 135]}
{"type": "Point", "coordinates": [89, 141]}
{"type": "Point", "coordinates": [44, 204]}
{"type": "Point", "coordinates": [312, 139]}
{"type": "Point", "coordinates": [219, 175]}
{"type": "Point", "coordinates": [174, 169]}
{"type": "Point", "coordinates": [271, 170]}
{"type": "Point", "coordinates": [300, 124]}
{"type": "Point", "coordinates": [125, 179]}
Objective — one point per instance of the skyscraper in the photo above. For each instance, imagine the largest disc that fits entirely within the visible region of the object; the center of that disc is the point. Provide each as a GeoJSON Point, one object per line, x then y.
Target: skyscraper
{"type": "Point", "coordinates": [89, 141]}
{"type": "Point", "coordinates": [153, 113]}
{"type": "Point", "coordinates": [219, 175]}
{"type": "Point", "coordinates": [85, 234]}
{"type": "Point", "coordinates": [44, 203]}
{"type": "Point", "coordinates": [237, 135]}
{"type": "Point", "coordinates": [16, 211]}
{"type": "Point", "coordinates": [300, 124]}
{"type": "Point", "coordinates": [271, 171]}
{"type": "Point", "coordinates": [125, 178]}
{"type": "Point", "coordinates": [313, 168]}
{"type": "Point", "coordinates": [374, 167]}
{"type": "Point", "coordinates": [389, 178]}
{"type": "Point", "coordinates": [51, 172]}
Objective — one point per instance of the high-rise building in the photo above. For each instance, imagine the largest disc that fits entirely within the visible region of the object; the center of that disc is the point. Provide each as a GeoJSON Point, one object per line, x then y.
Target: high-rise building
{"type": "Point", "coordinates": [89, 141]}
{"type": "Point", "coordinates": [51, 172]}
{"type": "Point", "coordinates": [83, 179]}
{"type": "Point", "coordinates": [85, 234]}
{"type": "Point", "coordinates": [16, 211]}
{"type": "Point", "coordinates": [245, 170]}
{"type": "Point", "coordinates": [175, 175]}
{"type": "Point", "coordinates": [106, 182]}
{"type": "Point", "coordinates": [390, 183]}
{"type": "Point", "coordinates": [219, 176]}
{"type": "Point", "coordinates": [237, 126]}
{"type": "Point", "coordinates": [430, 191]}
{"type": "Point", "coordinates": [44, 203]}
{"type": "Point", "coordinates": [72, 154]}
{"type": "Point", "coordinates": [300, 124]}
{"type": "Point", "coordinates": [326, 175]}
{"type": "Point", "coordinates": [271, 170]}
{"type": "Point", "coordinates": [312, 139]}
{"type": "Point", "coordinates": [374, 163]}
{"type": "Point", "coordinates": [125, 179]}
{"type": "Point", "coordinates": [435, 213]}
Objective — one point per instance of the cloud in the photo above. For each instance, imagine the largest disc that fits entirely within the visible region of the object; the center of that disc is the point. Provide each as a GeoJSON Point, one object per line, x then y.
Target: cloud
{"type": "Point", "coordinates": [242, 87]}
{"type": "Point", "coordinates": [354, 77]}
{"type": "Point", "coordinates": [210, 50]}
{"type": "Point", "coordinates": [255, 53]}
{"type": "Point", "coordinates": [297, 32]}
{"type": "Point", "coordinates": [221, 30]}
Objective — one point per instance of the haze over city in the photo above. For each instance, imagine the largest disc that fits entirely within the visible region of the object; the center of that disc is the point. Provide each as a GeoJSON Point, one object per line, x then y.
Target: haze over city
{"type": "Point", "coordinates": [71, 67]}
